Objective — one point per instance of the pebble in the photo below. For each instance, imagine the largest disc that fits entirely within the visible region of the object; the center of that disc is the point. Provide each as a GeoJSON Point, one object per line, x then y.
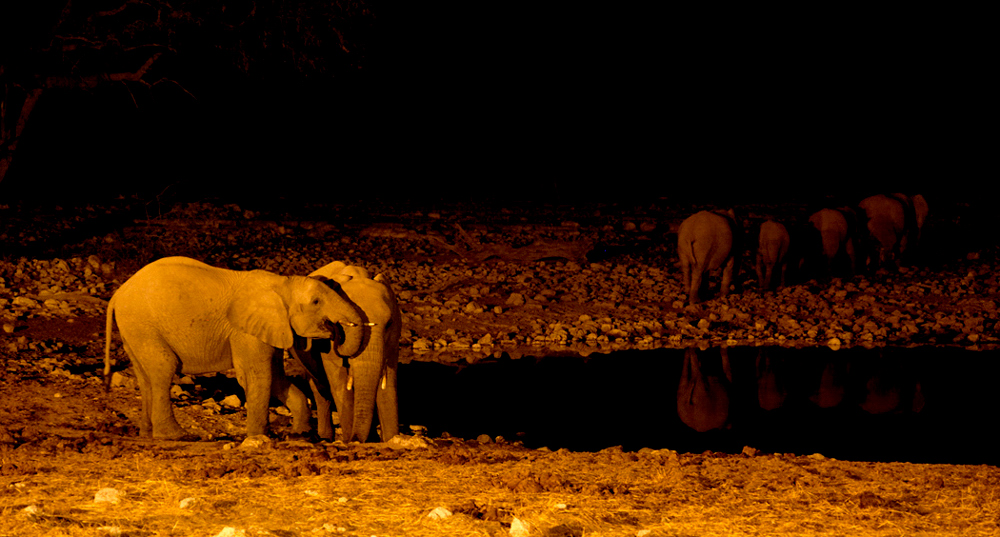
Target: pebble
{"type": "Point", "coordinates": [439, 513]}
{"type": "Point", "coordinates": [107, 495]}
{"type": "Point", "coordinates": [519, 528]}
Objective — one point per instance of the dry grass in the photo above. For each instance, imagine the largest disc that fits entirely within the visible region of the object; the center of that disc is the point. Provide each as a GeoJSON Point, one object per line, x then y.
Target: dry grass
{"type": "Point", "coordinates": [562, 493]}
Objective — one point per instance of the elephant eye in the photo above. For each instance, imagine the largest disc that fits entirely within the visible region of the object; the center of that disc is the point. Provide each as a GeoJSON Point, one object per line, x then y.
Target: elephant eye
{"type": "Point", "coordinates": [316, 301]}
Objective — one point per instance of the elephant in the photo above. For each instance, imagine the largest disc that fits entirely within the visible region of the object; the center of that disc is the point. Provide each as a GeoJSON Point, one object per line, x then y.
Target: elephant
{"type": "Point", "coordinates": [836, 229]}
{"type": "Point", "coordinates": [177, 314]}
{"type": "Point", "coordinates": [708, 241]}
{"type": "Point", "coordinates": [772, 249]}
{"type": "Point", "coordinates": [915, 215]}
{"type": "Point", "coordinates": [703, 391]}
{"type": "Point", "coordinates": [367, 377]}
{"type": "Point", "coordinates": [885, 218]}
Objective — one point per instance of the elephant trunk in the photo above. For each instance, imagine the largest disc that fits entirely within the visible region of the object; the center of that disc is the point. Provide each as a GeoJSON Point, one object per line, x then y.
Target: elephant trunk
{"type": "Point", "coordinates": [353, 338]}
{"type": "Point", "coordinates": [350, 323]}
{"type": "Point", "coordinates": [366, 370]}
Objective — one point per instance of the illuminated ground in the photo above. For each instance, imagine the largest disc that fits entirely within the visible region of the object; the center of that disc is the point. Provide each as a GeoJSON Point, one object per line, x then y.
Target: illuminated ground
{"type": "Point", "coordinates": [62, 438]}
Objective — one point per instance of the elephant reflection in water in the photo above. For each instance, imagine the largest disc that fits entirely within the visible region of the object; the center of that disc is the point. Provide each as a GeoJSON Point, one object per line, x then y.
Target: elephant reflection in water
{"type": "Point", "coordinates": [772, 390]}
{"type": "Point", "coordinates": [703, 391]}
{"type": "Point", "coordinates": [832, 384]}
{"type": "Point", "coordinates": [888, 389]}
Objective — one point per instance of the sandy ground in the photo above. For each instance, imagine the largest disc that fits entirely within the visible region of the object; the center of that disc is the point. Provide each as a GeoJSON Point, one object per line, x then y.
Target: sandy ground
{"type": "Point", "coordinates": [63, 439]}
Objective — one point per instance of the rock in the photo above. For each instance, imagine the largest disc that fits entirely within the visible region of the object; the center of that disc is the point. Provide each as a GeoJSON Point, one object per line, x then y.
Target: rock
{"type": "Point", "coordinates": [120, 380]}
{"type": "Point", "coordinates": [107, 495]}
{"type": "Point", "coordinates": [231, 401]}
{"type": "Point", "coordinates": [8, 328]}
{"type": "Point", "coordinates": [402, 441]}
{"type": "Point", "coordinates": [186, 503]}
{"type": "Point", "coordinates": [24, 301]}
{"type": "Point", "coordinates": [439, 513]}
{"type": "Point", "coordinates": [230, 531]}
{"type": "Point", "coordinates": [255, 441]}
{"type": "Point", "coordinates": [484, 439]}
{"type": "Point", "coordinates": [519, 528]}
{"type": "Point", "coordinates": [418, 430]}
{"type": "Point", "coordinates": [515, 299]}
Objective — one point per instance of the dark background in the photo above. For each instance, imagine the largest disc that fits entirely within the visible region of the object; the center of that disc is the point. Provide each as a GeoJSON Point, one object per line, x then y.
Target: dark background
{"type": "Point", "coordinates": [546, 102]}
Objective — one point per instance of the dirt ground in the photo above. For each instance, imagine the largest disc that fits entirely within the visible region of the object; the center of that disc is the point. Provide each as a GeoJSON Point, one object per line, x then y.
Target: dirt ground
{"type": "Point", "coordinates": [71, 462]}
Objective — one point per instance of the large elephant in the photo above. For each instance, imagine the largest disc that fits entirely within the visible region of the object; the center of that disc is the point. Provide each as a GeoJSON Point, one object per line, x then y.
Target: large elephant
{"type": "Point", "coordinates": [772, 251]}
{"type": "Point", "coordinates": [886, 222]}
{"type": "Point", "coordinates": [179, 314]}
{"type": "Point", "coordinates": [367, 377]}
{"type": "Point", "coordinates": [708, 241]}
{"type": "Point", "coordinates": [837, 233]}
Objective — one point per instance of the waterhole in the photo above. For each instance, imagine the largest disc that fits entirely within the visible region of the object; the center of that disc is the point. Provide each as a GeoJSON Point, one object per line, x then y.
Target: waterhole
{"type": "Point", "coordinates": [936, 405]}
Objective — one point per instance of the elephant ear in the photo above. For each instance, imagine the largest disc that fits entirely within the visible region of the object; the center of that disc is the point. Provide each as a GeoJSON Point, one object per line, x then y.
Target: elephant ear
{"type": "Point", "coordinates": [356, 272]}
{"type": "Point", "coordinates": [328, 271]}
{"type": "Point", "coordinates": [263, 315]}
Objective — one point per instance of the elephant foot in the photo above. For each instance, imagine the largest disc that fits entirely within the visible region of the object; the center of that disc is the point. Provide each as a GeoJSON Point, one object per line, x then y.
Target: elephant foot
{"type": "Point", "coordinates": [171, 433]}
{"type": "Point", "coordinates": [186, 437]}
{"type": "Point", "coordinates": [309, 436]}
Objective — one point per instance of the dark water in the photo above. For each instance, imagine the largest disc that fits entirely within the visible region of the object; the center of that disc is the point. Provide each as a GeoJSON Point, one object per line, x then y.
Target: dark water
{"type": "Point", "coordinates": [920, 405]}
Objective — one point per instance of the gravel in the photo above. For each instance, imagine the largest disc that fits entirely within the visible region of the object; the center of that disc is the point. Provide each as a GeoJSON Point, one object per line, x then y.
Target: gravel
{"type": "Point", "coordinates": [454, 309]}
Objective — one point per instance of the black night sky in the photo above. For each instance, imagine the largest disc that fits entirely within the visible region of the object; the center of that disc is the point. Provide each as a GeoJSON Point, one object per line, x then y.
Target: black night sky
{"type": "Point", "coordinates": [528, 102]}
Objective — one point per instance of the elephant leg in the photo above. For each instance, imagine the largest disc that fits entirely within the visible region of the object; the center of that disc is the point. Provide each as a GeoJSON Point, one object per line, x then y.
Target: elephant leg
{"type": "Point", "coordinates": [694, 292]}
{"type": "Point", "coordinates": [324, 412]}
{"type": "Point", "coordinates": [727, 276]}
{"type": "Point", "coordinates": [686, 277]}
{"type": "Point", "coordinates": [155, 365]}
{"type": "Point", "coordinates": [252, 362]}
{"type": "Point", "coordinates": [342, 397]}
{"type": "Point", "coordinates": [388, 408]}
{"type": "Point", "coordinates": [145, 422]}
{"type": "Point", "coordinates": [291, 395]}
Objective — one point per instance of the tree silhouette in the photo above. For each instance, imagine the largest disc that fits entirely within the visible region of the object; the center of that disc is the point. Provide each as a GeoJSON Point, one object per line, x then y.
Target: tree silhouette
{"type": "Point", "coordinates": [157, 49]}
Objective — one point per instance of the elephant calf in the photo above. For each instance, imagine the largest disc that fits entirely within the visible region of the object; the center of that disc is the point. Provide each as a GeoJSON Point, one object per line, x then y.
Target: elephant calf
{"type": "Point", "coordinates": [180, 315]}
{"type": "Point", "coordinates": [707, 241]}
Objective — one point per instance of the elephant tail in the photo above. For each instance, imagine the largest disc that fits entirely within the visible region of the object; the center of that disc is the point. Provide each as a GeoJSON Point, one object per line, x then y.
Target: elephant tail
{"type": "Point", "coordinates": [109, 324]}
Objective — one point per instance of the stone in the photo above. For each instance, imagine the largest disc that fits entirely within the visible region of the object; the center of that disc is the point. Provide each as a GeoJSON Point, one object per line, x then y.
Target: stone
{"type": "Point", "coordinates": [107, 495]}
{"type": "Point", "coordinates": [439, 513]}
{"type": "Point", "coordinates": [515, 299]}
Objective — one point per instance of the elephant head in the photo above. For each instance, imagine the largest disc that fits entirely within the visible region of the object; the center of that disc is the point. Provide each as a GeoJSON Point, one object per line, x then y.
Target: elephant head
{"type": "Point", "coordinates": [364, 377]}
{"type": "Point", "coordinates": [296, 304]}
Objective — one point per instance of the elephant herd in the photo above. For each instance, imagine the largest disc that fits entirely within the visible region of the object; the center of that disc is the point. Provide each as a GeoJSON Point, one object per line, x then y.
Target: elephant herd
{"type": "Point", "coordinates": [871, 236]}
{"type": "Point", "coordinates": [178, 315]}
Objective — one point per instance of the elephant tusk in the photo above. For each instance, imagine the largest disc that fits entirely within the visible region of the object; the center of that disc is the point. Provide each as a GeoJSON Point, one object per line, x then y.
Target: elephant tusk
{"type": "Point", "coordinates": [350, 381]}
{"type": "Point", "coordinates": [385, 378]}
{"type": "Point", "coordinates": [309, 343]}
{"type": "Point", "coordinates": [352, 325]}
